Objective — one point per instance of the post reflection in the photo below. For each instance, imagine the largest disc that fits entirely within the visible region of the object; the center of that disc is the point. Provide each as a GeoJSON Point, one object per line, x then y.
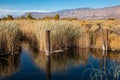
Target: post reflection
{"type": "Point", "coordinates": [48, 68]}
{"type": "Point", "coordinates": [103, 61]}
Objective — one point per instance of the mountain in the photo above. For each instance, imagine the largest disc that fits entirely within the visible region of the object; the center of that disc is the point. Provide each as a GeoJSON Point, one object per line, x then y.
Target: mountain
{"type": "Point", "coordinates": [83, 13]}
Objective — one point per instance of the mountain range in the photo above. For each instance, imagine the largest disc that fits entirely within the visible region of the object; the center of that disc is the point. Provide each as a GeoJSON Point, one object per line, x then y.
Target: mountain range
{"type": "Point", "coordinates": [82, 13]}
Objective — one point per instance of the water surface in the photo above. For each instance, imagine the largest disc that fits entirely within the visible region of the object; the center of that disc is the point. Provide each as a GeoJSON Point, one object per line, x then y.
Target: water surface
{"type": "Point", "coordinates": [75, 64]}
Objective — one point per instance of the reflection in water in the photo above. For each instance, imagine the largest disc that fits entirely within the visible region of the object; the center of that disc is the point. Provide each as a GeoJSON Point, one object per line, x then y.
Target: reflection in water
{"type": "Point", "coordinates": [103, 62]}
{"type": "Point", "coordinates": [108, 70]}
{"type": "Point", "coordinates": [9, 64]}
{"type": "Point", "coordinates": [72, 64]}
{"type": "Point", "coordinates": [48, 71]}
{"type": "Point", "coordinates": [9, 59]}
{"type": "Point", "coordinates": [68, 59]}
{"type": "Point", "coordinates": [61, 61]}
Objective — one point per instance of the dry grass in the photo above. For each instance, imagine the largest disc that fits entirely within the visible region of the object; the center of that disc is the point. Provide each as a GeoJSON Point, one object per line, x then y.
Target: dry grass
{"type": "Point", "coordinates": [92, 33]}
{"type": "Point", "coordinates": [9, 35]}
{"type": "Point", "coordinates": [87, 32]}
{"type": "Point", "coordinates": [64, 33]}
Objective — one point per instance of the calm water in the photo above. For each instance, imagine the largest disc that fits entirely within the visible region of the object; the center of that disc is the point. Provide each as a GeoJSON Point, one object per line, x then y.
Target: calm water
{"type": "Point", "coordinates": [77, 64]}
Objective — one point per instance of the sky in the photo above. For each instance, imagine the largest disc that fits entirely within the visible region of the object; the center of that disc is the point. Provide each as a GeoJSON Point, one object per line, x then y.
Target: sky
{"type": "Point", "coordinates": [17, 7]}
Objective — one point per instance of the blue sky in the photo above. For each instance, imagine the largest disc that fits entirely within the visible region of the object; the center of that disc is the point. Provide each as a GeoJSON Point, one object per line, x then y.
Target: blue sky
{"type": "Point", "coordinates": [21, 6]}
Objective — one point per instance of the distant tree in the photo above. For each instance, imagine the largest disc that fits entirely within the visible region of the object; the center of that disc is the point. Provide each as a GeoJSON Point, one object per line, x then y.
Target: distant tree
{"type": "Point", "coordinates": [22, 17]}
{"type": "Point", "coordinates": [40, 18]}
{"type": "Point", "coordinates": [4, 18]}
{"type": "Point", "coordinates": [57, 17]}
{"type": "Point", "coordinates": [70, 19]}
{"type": "Point", "coordinates": [47, 18]}
{"type": "Point", "coordinates": [29, 16]}
{"type": "Point", "coordinates": [9, 17]}
{"type": "Point", "coordinates": [111, 18]}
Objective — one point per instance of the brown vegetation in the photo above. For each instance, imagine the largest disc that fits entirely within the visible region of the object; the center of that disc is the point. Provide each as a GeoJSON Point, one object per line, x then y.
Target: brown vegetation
{"type": "Point", "coordinates": [64, 33]}
{"type": "Point", "coordinates": [9, 37]}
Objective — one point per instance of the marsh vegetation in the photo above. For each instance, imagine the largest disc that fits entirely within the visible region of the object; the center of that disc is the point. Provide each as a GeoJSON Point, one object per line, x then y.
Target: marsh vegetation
{"type": "Point", "coordinates": [64, 33]}
{"type": "Point", "coordinates": [18, 37]}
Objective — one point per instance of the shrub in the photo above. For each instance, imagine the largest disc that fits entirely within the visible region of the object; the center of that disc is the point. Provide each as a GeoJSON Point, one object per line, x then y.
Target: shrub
{"type": "Point", "coordinates": [56, 17]}
{"type": "Point", "coordinates": [9, 17]}
{"type": "Point", "coordinates": [29, 16]}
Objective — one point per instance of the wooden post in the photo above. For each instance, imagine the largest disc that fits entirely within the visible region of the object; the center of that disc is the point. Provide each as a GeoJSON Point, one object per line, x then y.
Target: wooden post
{"type": "Point", "coordinates": [48, 43]}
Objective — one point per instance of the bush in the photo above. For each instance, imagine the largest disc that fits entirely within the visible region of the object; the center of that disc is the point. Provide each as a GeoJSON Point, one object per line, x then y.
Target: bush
{"type": "Point", "coordinates": [29, 16]}
{"type": "Point", "coordinates": [56, 17]}
{"type": "Point", "coordinates": [70, 19]}
{"type": "Point", "coordinates": [47, 18]}
{"type": "Point", "coordinates": [9, 17]}
{"type": "Point", "coordinates": [111, 18]}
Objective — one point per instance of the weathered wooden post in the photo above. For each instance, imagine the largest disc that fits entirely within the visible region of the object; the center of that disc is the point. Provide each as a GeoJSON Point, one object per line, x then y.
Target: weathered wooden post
{"type": "Point", "coordinates": [48, 43]}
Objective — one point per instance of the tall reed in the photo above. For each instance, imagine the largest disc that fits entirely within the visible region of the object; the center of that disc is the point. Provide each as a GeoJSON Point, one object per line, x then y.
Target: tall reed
{"type": "Point", "coordinates": [63, 33]}
{"type": "Point", "coordinates": [9, 36]}
{"type": "Point", "coordinates": [84, 33]}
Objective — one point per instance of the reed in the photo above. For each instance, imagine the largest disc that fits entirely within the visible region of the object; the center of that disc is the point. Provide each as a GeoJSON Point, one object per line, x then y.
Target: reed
{"type": "Point", "coordinates": [9, 36]}
{"type": "Point", "coordinates": [64, 34]}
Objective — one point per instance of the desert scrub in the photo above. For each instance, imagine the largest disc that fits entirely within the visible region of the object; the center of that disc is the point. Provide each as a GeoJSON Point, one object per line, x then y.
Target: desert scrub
{"type": "Point", "coordinates": [9, 36]}
{"type": "Point", "coordinates": [64, 34]}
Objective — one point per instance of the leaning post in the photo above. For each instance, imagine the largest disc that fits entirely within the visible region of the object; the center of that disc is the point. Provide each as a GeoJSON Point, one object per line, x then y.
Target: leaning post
{"type": "Point", "coordinates": [48, 42]}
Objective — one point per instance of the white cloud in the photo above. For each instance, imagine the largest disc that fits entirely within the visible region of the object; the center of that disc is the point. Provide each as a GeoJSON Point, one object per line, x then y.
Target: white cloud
{"type": "Point", "coordinates": [22, 11]}
{"type": "Point", "coordinates": [4, 12]}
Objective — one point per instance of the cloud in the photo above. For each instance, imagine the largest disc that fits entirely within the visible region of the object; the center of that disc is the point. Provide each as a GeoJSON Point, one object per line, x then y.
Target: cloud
{"type": "Point", "coordinates": [21, 11]}
{"type": "Point", "coordinates": [5, 12]}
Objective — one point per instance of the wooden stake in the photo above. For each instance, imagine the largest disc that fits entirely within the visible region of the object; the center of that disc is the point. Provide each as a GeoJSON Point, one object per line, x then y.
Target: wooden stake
{"type": "Point", "coordinates": [48, 43]}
